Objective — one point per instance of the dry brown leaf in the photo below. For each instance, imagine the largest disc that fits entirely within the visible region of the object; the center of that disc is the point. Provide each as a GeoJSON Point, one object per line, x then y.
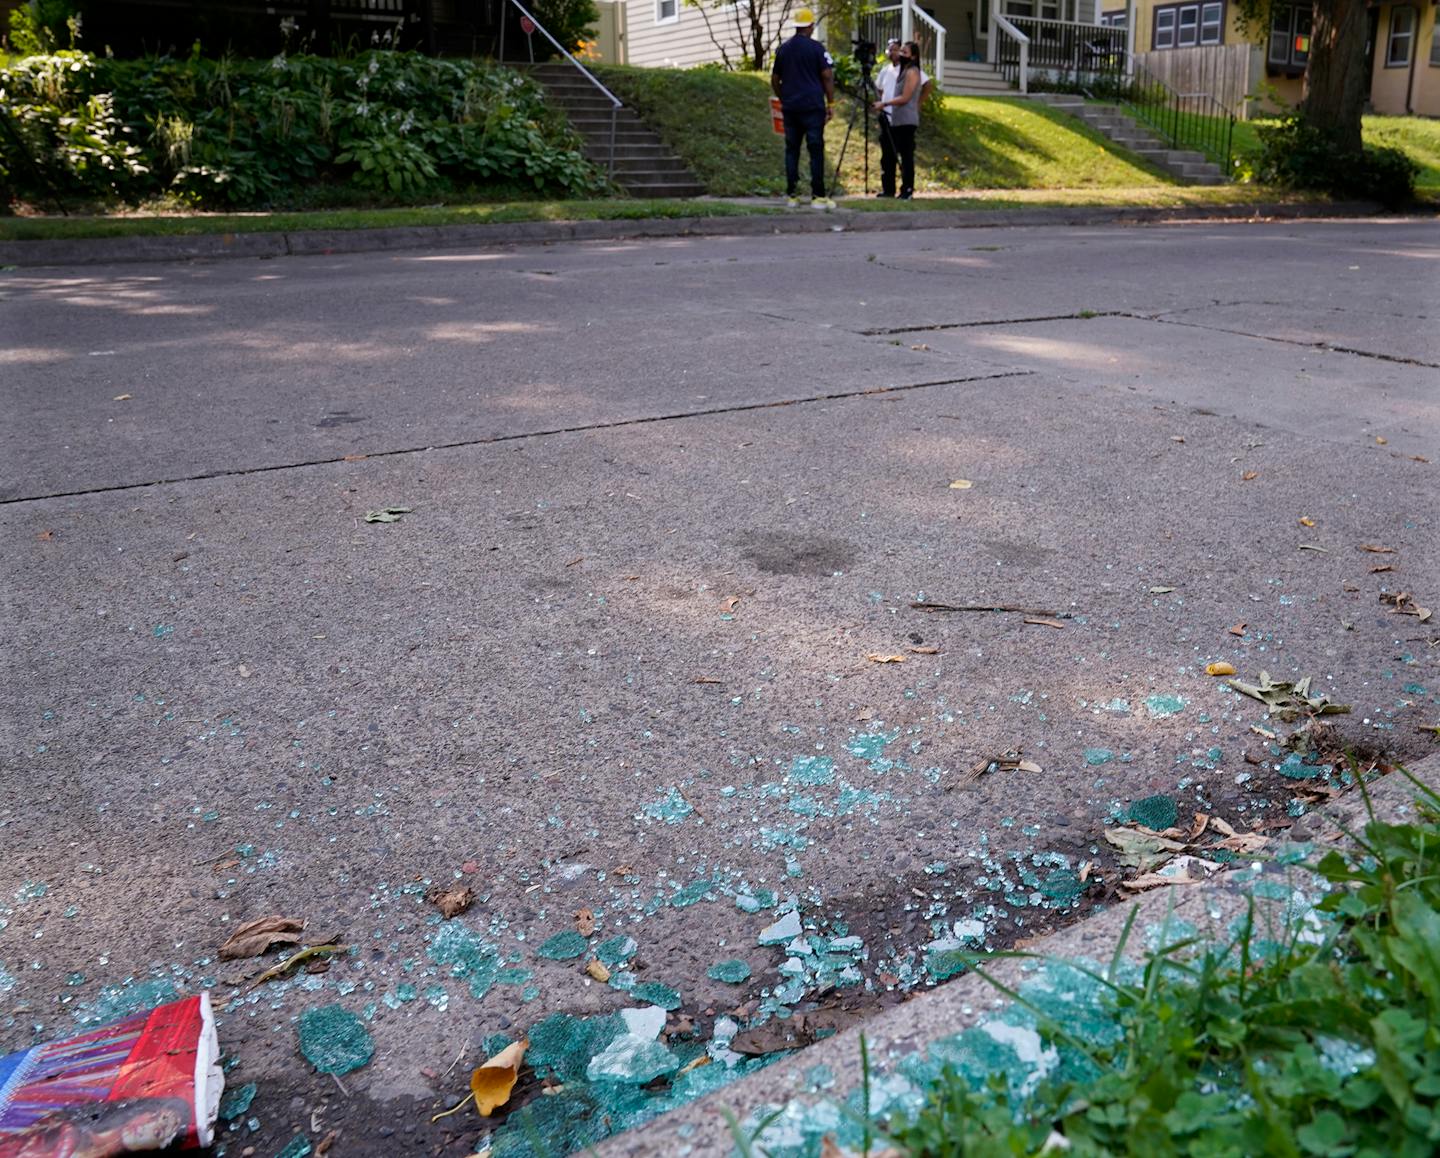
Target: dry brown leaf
{"type": "Point", "coordinates": [1306, 521]}
{"type": "Point", "coordinates": [1382, 567]}
{"type": "Point", "coordinates": [254, 938]}
{"type": "Point", "coordinates": [694, 1064]}
{"type": "Point", "coordinates": [705, 680]}
{"type": "Point", "coordinates": [1041, 621]}
{"type": "Point", "coordinates": [1085, 869]}
{"type": "Point", "coordinates": [1221, 826]}
{"type": "Point", "coordinates": [1375, 549]}
{"type": "Point", "coordinates": [1418, 458]}
{"type": "Point", "coordinates": [45, 536]}
{"type": "Point", "coordinates": [492, 1081]}
{"type": "Point", "coordinates": [1219, 668]}
{"type": "Point", "coordinates": [1381, 440]}
{"type": "Point", "coordinates": [1238, 629]}
{"type": "Point", "coordinates": [731, 603]}
{"type": "Point", "coordinates": [1201, 820]}
{"type": "Point", "coordinates": [1249, 475]}
{"type": "Point", "coordinates": [585, 922]}
{"type": "Point", "coordinates": [1244, 843]}
{"type": "Point", "coordinates": [877, 657]}
{"type": "Point", "coordinates": [925, 650]}
{"type": "Point", "coordinates": [354, 458]}
{"type": "Point", "coordinates": [598, 970]}
{"type": "Point", "coordinates": [451, 900]}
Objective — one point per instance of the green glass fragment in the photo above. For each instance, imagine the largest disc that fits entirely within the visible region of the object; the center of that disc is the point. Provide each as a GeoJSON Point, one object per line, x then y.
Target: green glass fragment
{"type": "Point", "coordinates": [732, 972]}
{"type": "Point", "coordinates": [615, 951]}
{"type": "Point", "coordinates": [334, 1040]}
{"type": "Point", "coordinates": [297, 1147]}
{"type": "Point", "coordinates": [237, 1101]}
{"type": "Point", "coordinates": [1155, 812]}
{"type": "Point", "coordinates": [564, 946]}
{"type": "Point", "coordinates": [654, 993]}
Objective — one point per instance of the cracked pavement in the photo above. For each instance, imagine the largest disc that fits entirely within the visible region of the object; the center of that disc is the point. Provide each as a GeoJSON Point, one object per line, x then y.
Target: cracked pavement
{"type": "Point", "coordinates": [667, 496]}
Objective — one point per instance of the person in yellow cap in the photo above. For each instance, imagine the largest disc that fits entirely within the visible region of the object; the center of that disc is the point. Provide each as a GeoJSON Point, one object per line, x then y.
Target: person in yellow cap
{"type": "Point", "coordinates": [804, 79]}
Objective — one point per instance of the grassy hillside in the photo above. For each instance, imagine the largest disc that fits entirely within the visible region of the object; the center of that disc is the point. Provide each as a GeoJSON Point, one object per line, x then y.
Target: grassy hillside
{"type": "Point", "coordinates": [720, 124]}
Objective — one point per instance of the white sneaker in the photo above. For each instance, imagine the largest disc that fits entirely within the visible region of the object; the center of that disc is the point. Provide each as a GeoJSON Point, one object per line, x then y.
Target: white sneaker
{"type": "Point", "coordinates": [823, 203]}
{"type": "Point", "coordinates": [792, 203]}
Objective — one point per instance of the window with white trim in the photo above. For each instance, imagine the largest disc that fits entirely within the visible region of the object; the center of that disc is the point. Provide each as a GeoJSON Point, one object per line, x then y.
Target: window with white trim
{"type": "Point", "coordinates": [1115, 19]}
{"type": "Point", "coordinates": [667, 11]}
{"type": "Point", "coordinates": [1188, 25]}
{"type": "Point", "coordinates": [1435, 44]}
{"type": "Point", "coordinates": [1289, 46]}
{"type": "Point", "coordinates": [1402, 37]}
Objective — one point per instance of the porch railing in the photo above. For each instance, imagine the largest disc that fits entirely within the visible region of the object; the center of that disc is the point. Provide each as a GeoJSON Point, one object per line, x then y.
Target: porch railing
{"type": "Point", "coordinates": [1063, 51]}
{"type": "Point", "coordinates": [1012, 52]}
{"type": "Point", "coordinates": [881, 24]}
{"type": "Point", "coordinates": [616, 104]}
{"type": "Point", "coordinates": [1184, 120]}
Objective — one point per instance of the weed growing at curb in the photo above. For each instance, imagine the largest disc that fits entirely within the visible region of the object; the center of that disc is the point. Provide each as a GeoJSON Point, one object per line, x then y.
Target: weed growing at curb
{"type": "Point", "coordinates": [1320, 1036]}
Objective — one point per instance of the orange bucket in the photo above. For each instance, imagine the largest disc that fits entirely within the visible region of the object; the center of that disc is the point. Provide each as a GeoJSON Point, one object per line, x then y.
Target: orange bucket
{"type": "Point", "coordinates": [777, 118]}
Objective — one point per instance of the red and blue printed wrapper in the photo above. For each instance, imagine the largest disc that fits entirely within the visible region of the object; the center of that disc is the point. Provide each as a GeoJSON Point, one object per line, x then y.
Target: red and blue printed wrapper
{"type": "Point", "coordinates": [150, 1081]}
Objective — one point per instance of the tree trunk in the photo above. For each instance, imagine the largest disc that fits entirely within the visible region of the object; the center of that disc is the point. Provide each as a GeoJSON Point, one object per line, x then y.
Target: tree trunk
{"type": "Point", "coordinates": [1334, 91]}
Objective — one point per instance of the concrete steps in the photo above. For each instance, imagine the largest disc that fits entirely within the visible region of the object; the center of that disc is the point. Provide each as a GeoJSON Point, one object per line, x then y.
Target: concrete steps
{"type": "Point", "coordinates": [975, 78]}
{"type": "Point", "coordinates": [1125, 131]}
{"type": "Point", "coordinates": [644, 165]}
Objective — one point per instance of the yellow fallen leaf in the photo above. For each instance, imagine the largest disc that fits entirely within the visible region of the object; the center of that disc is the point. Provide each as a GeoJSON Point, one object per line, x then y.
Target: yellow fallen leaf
{"type": "Point", "coordinates": [1306, 521]}
{"type": "Point", "coordinates": [597, 970]}
{"type": "Point", "coordinates": [961, 484]}
{"type": "Point", "coordinates": [876, 657]}
{"type": "Point", "coordinates": [492, 1082]}
{"type": "Point", "coordinates": [1380, 440]}
{"type": "Point", "coordinates": [1219, 668]}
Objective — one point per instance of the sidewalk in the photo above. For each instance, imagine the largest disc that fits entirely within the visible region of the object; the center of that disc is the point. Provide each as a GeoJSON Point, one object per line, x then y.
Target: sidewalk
{"type": "Point", "coordinates": [325, 242]}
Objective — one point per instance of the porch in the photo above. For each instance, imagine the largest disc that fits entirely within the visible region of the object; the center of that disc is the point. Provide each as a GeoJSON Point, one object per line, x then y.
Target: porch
{"type": "Point", "coordinates": [981, 46]}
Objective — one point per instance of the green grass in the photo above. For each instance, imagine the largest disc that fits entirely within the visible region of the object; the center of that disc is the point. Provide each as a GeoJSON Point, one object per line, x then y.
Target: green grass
{"type": "Point", "coordinates": [719, 124]}
{"type": "Point", "coordinates": [1293, 1039]}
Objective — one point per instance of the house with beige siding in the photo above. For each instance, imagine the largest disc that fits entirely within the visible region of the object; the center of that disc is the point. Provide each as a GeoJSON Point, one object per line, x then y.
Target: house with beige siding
{"type": "Point", "coordinates": [674, 34]}
{"type": "Point", "coordinates": [1201, 45]}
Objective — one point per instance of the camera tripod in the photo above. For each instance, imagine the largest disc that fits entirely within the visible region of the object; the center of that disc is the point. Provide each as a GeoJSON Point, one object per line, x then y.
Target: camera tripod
{"type": "Point", "coordinates": [866, 93]}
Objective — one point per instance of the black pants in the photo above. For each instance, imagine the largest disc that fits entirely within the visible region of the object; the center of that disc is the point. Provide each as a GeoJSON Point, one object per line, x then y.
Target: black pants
{"type": "Point", "coordinates": [904, 141]}
{"type": "Point", "coordinates": [888, 158]}
{"type": "Point", "coordinates": [807, 126]}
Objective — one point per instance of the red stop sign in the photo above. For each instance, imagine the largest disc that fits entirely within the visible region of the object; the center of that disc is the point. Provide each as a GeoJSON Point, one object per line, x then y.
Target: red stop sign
{"type": "Point", "coordinates": [527, 26]}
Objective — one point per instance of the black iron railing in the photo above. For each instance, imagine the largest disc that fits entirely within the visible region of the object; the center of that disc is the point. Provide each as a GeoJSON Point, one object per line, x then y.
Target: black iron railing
{"type": "Point", "coordinates": [1061, 53]}
{"type": "Point", "coordinates": [1184, 120]}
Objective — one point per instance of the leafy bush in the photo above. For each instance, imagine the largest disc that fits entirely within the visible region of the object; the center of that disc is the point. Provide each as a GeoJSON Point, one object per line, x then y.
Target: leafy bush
{"type": "Point", "coordinates": [1297, 155]}
{"type": "Point", "coordinates": [246, 133]}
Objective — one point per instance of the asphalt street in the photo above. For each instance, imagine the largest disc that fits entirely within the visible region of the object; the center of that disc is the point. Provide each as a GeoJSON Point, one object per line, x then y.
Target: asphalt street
{"type": "Point", "coordinates": [643, 642]}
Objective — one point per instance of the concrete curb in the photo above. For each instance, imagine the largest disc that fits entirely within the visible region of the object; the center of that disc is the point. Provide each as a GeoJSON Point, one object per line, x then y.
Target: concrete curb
{"type": "Point", "coordinates": [326, 242]}
{"type": "Point", "coordinates": [699, 1130]}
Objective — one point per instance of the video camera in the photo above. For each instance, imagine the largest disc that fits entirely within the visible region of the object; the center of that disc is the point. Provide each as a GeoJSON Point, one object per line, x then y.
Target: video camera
{"type": "Point", "coordinates": [864, 54]}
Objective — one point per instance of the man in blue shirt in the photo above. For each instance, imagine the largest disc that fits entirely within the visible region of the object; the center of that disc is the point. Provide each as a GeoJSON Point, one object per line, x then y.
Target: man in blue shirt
{"type": "Point", "coordinates": [804, 80]}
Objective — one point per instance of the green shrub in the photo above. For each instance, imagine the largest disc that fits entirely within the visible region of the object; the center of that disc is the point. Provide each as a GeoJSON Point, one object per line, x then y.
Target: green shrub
{"type": "Point", "coordinates": [260, 134]}
{"type": "Point", "coordinates": [1297, 155]}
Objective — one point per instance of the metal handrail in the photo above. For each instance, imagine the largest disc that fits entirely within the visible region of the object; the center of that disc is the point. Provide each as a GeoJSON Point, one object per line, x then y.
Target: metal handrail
{"type": "Point", "coordinates": [1023, 41]}
{"type": "Point", "coordinates": [616, 104]}
{"type": "Point", "coordinates": [879, 24]}
{"type": "Point", "coordinates": [1210, 128]}
{"type": "Point", "coordinates": [939, 31]}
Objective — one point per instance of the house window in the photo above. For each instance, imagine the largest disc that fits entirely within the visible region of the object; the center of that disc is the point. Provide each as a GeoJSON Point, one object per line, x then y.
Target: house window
{"type": "Point", "coordinates": [667, 11]}
{"type": "Point", "coordinates": [1186, 25]}
{"type": "Point", "coordinates": [1115, 19]}
{"type": "Point", "coordinates": [1289, 46]}
{"type": "Point", "coordinates": [1435, 45]}
{"type": "Point", "coordinates": [1402, 36]}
